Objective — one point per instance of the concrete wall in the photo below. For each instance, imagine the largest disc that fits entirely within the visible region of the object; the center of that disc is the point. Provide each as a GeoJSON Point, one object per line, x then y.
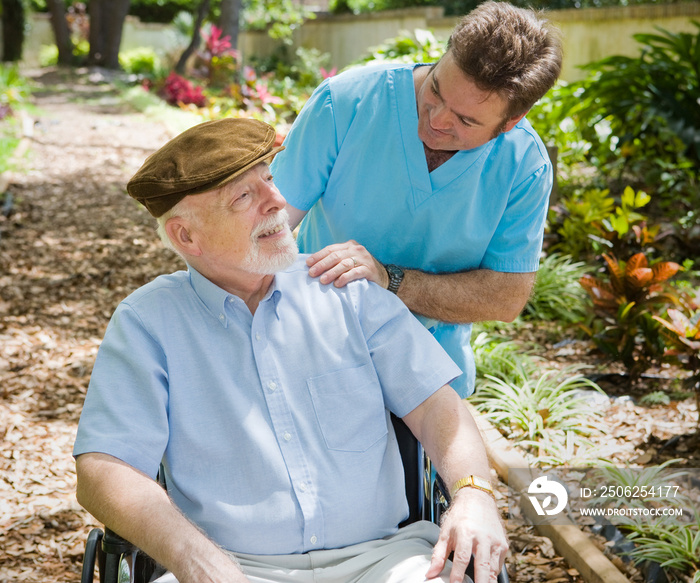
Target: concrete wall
{"type": "Point", "coordinates": [588, 34]}
{"type": "Point", "coordinates": [592, 34]}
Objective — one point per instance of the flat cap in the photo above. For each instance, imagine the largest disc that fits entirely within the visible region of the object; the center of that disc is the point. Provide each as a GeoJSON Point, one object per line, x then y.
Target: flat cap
{"type": "Point", "coordinates": [200, 159]}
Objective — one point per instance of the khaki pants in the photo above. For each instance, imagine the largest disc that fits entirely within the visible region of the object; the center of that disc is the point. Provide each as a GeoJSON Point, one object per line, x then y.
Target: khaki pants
{"type": "Point", "coordinates": [401, 558]}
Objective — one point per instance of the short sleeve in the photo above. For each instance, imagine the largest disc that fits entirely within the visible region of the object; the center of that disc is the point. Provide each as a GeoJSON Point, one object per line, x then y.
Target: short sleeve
{"type": "Point", "coordinates": [517, 242]}
{"type": "Point", "coordinates": [302, 169]}
{"type": "Point", "coordinates": [125, 410]}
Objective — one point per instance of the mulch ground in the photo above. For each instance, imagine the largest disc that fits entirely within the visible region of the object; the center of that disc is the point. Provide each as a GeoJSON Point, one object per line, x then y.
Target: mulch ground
{"type": "Point", "coordinates": [73, 247]}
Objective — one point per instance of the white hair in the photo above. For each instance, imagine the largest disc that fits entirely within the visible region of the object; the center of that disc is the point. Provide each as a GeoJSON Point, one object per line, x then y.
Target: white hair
{"type": "Point", "coordinates": [179, 210]}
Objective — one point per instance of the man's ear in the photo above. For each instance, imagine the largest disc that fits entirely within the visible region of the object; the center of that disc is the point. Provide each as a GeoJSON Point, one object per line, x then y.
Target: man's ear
{"type": "Point", "coordinates": [512, 121]}
{"type": "Point", "coordinates": [180, 233]}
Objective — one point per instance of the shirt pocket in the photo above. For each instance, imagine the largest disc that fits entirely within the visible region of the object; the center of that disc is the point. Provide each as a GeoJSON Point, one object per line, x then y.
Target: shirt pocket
{"type": "Point", "coordinates": [350, 408]}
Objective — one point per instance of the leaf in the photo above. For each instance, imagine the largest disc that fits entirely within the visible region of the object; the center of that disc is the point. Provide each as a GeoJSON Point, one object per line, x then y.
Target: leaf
{"type": "Point", "coordinates": [616, 273]}
{"type": "Point", "coordinates": [635, 262]}
{"type": "Point", "coordinates": [626, 310]}
{"type": "Point", "coordinates": [642, 199]}
{"type": "Point", "coordinates": [665, 270]}
{"type": "Point", "coordinates": [601, 293]}
{"type": "Point", "coordinates": [678, 323]}
{"type": "Point", "coordinates": [628, 197]}
{"type": "Point", "coordinates": [620, 225]}
{"type": "Point", "coordinates": [640, 278]}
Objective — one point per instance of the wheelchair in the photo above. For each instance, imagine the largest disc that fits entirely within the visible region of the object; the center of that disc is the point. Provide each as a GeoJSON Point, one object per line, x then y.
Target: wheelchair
{"type": "Point", "coordinates": [118, 561]}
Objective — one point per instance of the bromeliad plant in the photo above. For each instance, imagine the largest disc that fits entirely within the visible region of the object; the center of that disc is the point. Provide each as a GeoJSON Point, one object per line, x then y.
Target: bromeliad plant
{"type": "Point", "coordinates": [550, 408]}
{"type": "Point", "coordinates": [623, 326]}
{"type": "Point", "coordinates": [557, 295]}
{"type": "Point", "coordinates": [675, 546]}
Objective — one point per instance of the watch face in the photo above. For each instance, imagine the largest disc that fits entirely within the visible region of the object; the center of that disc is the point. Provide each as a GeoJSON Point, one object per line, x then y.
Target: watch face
{"type": "Point", "coordinates": [481, 482]}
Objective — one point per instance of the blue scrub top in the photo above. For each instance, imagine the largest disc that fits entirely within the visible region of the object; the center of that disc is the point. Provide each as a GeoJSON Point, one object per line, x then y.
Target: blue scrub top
{"type": "Point", "coordinates": [354, 161]}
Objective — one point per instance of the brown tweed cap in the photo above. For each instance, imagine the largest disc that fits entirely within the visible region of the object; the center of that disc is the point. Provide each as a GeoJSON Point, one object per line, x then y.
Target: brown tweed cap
{"type": "Point", "coordinates": [200, 159]}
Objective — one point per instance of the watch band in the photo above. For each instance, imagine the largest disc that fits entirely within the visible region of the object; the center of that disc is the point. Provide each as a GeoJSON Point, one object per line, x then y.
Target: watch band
{"type": "Point", "coordinates": [473, 482]}
{"type": "Point", "coordinates": [395, 274]}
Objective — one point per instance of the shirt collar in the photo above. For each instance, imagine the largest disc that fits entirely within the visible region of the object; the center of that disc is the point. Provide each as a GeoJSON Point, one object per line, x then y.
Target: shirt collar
{"type": "Point", "coordinates": [215, 298]}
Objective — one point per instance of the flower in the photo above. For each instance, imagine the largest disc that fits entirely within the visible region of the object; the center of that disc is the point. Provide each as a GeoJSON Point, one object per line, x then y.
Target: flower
{"type": "Point", "coordinates": [217, 46]}
{"type": "Point", "coordinates": [265, 96]}
{"type": "Point", "coordinates": [325, 74]}
{"type": "Point", "coordinates": [179, 90]}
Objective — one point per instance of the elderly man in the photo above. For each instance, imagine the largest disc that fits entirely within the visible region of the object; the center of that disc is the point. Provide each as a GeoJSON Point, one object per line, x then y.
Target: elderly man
{"type": "Point", "coordinates": [428, 179]}
{"type": "Point", "coordinates": [265, 397]}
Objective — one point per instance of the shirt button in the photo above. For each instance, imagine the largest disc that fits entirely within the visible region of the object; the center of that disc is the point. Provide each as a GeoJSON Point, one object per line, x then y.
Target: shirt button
{"type": "Point", "coordinates": [257, 336]}
{"type": "Point", "coordinates": [221, 317]}
{"type": "Point", "coordinates": [303, 487]}
{"type": "Point", "coordinates": [272, 385]}
{"type": "Point", "coordinates": [287, 436]}
{"type": "Point", "coordinates": [314, 540]}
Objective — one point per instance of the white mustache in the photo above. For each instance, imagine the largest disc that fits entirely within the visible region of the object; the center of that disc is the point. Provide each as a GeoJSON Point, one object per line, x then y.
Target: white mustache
{"type": "Point", "coordinates": [271, 223]}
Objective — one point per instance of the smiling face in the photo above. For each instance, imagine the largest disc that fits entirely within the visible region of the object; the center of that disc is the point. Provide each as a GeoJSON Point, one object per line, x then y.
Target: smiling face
{"type": "Point", "coordinates": [454, 114]}
{"type": "Point", "coordinates": [241, 228]}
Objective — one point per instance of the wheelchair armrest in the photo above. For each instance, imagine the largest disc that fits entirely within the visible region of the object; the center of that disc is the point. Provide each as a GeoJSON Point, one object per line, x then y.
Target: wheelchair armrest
{"type": "Point", "coordinates": [105, 550]}
{"type": "Point", "coordinates": [113, 544]}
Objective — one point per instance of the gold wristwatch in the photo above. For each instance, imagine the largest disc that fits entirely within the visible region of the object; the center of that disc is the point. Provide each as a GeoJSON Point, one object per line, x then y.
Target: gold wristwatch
{"type": "Point", "coordinates": [473, 482]}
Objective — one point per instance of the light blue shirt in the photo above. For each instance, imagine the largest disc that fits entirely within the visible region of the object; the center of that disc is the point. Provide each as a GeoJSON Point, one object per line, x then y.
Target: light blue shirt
{"type": "Point", "coordinates": [272, 428]}
{"type": "Point", "coordinates": [353, 159]}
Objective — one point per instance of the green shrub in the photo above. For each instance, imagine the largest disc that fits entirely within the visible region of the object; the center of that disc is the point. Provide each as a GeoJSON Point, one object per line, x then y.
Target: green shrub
{"type": "Point", "coordinates": [278, 17]}
{"type": "Point", "coordinates": [590, 223]}
{"type": "Point", "coordinates": [14, 94]}
{"type": "Point", "coordinates": [552, 405]}
{"type": "Point", "coordinates": [507, 360]}
{"type": "Point", "coordinates": [48, 54]}
{"type": "Point", "coordinates": [673, 545]}
{"type": "Point", "coordinates": [642, 118]}
{"type": "Point", "coordinates": [551, 120]}
{"type": "Point", "coordinates": [557, 294]}
{"type": "Point", "coordinates": [421, 47]}
{"type": "Point", "coordinates": [143, 61]}
{"type": "Point", "coordinates": [14, 89]}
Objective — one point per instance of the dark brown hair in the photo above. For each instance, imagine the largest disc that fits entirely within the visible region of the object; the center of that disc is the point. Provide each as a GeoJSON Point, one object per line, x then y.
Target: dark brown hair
{"type": "Point", "coordinates": [511, 51]}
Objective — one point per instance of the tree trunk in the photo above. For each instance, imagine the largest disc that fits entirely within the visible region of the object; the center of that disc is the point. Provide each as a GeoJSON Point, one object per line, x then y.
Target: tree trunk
{"type": "Point", "coordinates": [202, 12]}
{"type": "Point", "coordinates": [229, 21]}
{"type": "Point", "coordinates": [61, 31]}
{"type": "Point", "coordinates": [12, 30]}
{"type": "Point", "coordinates": [106, 26]}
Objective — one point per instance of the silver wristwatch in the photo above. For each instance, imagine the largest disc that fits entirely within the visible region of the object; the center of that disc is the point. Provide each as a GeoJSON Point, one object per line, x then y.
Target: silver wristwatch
{"type": "Point", "coordinates": [395, 277]}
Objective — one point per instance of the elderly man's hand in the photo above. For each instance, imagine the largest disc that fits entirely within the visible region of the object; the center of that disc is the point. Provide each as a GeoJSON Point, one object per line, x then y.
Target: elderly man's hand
{"type": "Point", "coordinates": [471, 526]}
{"type": "Point", "coordinates": [345, 262]}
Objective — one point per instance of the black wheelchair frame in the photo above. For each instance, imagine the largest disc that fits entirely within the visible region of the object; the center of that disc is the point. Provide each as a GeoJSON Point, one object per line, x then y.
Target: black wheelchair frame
{"type": "Point", "coordinates": [426, 494]}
